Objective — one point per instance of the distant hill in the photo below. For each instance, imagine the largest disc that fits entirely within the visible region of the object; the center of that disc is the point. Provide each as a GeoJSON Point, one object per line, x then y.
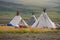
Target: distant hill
{"type": "Point", "coordinates": [8, 6]}
{"type": "Point", "coordinates": [12, 7]}
{"type": "Point", "coordinates": [9, 3]}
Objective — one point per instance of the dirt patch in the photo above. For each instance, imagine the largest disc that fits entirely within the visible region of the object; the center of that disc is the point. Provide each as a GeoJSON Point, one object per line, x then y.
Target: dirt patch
{"type": "Point", "coordinates": [31, 36]}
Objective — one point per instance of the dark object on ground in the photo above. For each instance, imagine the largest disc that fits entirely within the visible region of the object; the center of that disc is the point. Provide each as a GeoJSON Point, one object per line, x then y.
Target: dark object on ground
{"type": "Point", "coordinates": [9, 24]}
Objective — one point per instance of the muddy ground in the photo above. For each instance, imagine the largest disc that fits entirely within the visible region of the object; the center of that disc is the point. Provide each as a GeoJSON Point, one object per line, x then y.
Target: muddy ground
{"type": "Point", "coordinates": [31, 36]}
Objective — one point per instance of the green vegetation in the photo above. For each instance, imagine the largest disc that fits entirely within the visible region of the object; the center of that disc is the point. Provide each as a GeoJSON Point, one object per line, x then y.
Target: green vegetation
{"type": "Point", "coordinates": [28, 31]}
{"type": "Point", "coordinates": [55, 16]}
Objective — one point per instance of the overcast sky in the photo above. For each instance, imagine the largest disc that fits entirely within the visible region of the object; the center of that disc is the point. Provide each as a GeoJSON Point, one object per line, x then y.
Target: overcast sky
{"type": "Point", "coordinates": [50, 3]}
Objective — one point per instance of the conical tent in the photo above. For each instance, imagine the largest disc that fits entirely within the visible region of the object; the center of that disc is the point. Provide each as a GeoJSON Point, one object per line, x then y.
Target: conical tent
{"type": "Point", "coordinates": [16, 21]}
{"type": "Point", "coordinates": [44, 21]}
{"type": "Point", "coordinates": [32, 20]}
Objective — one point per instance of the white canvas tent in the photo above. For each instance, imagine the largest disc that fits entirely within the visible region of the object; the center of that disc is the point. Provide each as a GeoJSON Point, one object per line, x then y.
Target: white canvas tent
{"type": "Point", "coordinates": [44, 21]}
{"type": "Point", "coordinates": [31, 20]}
{"type": "Point", "coordinates": [17, 20]}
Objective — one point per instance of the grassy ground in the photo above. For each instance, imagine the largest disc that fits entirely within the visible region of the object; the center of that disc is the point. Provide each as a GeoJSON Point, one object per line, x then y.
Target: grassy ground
{"type": "Point", "coordinates": [9, 29]}
{"type": "Point", "coordinates": [12, 33]}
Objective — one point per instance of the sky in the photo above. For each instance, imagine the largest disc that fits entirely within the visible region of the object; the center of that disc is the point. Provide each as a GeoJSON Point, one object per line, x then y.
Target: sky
{"type": "Point", "coordinates": [48, 3]}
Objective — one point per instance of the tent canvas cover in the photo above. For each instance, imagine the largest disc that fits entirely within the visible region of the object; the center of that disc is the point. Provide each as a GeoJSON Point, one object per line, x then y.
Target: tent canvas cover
{"type": "Point", "coordinates": [44, 22]}
{"type": "Point", "coordinates": [16, 21]}
{"type": "Point", "coordinates": [32, 20]}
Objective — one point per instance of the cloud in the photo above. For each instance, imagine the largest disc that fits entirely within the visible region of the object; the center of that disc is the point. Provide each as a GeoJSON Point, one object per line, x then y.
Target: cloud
{"type": "Point", "coordinates": [50, 3]}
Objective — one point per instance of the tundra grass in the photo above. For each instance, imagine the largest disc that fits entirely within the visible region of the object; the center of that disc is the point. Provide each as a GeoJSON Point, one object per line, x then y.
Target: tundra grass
{"type": "Point", "coordinates": [5, 29]}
